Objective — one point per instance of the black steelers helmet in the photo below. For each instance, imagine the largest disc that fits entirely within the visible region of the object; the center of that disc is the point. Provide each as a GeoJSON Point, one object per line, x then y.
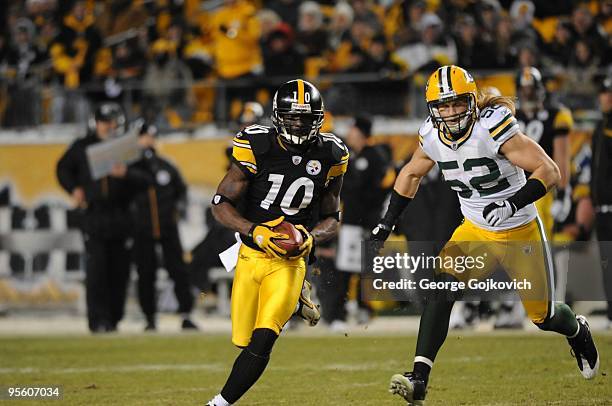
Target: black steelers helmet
{"type": "Point", "coordinates": [530, 89]}
{"type": "Point", "coordinates": [297, 112]}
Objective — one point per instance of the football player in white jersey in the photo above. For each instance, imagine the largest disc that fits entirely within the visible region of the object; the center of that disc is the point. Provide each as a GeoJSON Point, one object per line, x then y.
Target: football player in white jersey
{"type": "Point", "coordinates": [483, 155]}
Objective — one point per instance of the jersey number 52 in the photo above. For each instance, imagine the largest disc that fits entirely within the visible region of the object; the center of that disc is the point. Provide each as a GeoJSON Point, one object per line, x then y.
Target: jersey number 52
{"type": "Point", "coordinates": [477, 182]}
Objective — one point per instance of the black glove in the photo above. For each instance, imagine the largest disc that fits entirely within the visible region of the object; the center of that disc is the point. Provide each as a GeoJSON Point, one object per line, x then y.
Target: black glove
{"type": "Point", "coordinates": [397, 204]}
{"type": "Point", "coordinates": [381, 232]}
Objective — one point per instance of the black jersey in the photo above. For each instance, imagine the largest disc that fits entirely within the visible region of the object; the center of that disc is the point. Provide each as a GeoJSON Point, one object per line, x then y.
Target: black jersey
{"type": "Point", "coordinates": [545, 125]}
{"type": "Point", "coordinates": [284, 182]}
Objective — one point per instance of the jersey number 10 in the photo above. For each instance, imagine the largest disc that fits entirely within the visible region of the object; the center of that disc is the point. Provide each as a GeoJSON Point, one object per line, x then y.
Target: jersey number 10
{"type": "Point", "coordinates": [285, 204]}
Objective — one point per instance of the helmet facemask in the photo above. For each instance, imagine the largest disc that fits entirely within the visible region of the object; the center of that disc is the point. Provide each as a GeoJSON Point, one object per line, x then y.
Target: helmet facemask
{"type": "Point", "coordinates": [298, 129]}
{"type": "Point", "coordinates": [456, 125]}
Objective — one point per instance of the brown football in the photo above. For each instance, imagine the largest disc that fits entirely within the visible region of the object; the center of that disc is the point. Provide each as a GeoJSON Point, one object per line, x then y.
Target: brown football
{"type": "Point", "coordinates": [292, 244]}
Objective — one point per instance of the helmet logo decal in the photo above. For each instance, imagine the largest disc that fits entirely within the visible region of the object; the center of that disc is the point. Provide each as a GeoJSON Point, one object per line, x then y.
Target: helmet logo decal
{"type": "Point", "coordinates": [468, 76]}
{"type": "Point", "coordinates": [313, 167]}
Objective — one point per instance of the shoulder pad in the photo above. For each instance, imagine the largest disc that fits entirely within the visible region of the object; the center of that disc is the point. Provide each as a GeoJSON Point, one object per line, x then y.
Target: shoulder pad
{"type": "Point", "coordinates": [501, 124]}
{"type": "Point", "coordinates": [492, 116]}
{"type": "Point", "coordinates": [336, 146]}
{"type": "Point", "coordinates": [258, 137]}
{"type": "Point", "coordinates": [426, 127]}
{"type": "Point", "coordinates": [563, 118]}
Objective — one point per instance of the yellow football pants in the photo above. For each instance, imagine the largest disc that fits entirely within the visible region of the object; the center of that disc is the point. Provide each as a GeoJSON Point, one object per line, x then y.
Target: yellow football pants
{"type": "Point", "coordinates": [544, 205]}
{"type": "Point", "coordinates": [521, 252]}
{"type": "Point", "coordinates": [265, 293]}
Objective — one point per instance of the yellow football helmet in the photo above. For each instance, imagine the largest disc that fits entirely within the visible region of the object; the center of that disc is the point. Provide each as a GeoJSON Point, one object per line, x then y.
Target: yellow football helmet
{"type": "Point", "coordinates": [447, 84]}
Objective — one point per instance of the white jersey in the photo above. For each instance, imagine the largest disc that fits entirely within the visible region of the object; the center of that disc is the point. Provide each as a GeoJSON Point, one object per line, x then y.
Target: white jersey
{"type": "Point", "coordinates": [474, 168]}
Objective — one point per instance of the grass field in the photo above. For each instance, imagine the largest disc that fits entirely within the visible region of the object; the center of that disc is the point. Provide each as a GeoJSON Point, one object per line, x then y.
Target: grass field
{"type": "Point", "coordinates": [478, 369]}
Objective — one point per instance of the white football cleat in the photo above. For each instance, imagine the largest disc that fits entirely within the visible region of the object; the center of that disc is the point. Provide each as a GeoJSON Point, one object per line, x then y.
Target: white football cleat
{"type": "Point", "coordinates": [410, 386]}
{"type": "Point", "coordinates": [584, 350]}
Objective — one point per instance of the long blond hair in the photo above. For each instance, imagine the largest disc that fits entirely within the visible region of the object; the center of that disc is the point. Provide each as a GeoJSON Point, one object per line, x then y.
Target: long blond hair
{"type": "Point", "coordinates": [491, 96]}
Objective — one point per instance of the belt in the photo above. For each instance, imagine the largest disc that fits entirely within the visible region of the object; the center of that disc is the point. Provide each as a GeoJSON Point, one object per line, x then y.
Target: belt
{"type": "Point", "coordinates": [604, 208]}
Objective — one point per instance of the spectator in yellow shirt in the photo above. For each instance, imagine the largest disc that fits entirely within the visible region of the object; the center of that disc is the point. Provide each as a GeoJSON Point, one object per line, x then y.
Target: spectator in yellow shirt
{"type": "Point", "coordinates": [237, 56]}
{"type": "Point", "coordinates": [236, 33]}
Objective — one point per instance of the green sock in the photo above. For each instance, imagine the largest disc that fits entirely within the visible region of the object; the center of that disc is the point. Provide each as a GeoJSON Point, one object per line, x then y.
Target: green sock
{"type": "Point", "coordinates": [563, 322]}
{"type": "Point", "coordinates": [433, 327]}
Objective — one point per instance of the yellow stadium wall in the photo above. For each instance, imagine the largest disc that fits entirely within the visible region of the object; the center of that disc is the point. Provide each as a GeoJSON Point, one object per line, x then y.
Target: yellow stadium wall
{"type": "Point", "coordinates": [30, 168]}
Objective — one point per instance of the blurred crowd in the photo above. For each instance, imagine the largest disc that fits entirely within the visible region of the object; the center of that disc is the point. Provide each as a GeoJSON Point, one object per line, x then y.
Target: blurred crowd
{"type": "Point", "coordinates": [188, 62]}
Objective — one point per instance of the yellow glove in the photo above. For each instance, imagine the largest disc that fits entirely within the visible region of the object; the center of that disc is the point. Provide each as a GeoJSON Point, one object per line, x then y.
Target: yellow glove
{"type": "Point", "coordinates": [306, 246]}
{"type": "Point", "coordinates": [262, 235]}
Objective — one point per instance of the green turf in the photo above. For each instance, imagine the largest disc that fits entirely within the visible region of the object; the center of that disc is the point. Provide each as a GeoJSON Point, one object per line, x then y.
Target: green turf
{"type": "Point", "coordinates": [483, 369]}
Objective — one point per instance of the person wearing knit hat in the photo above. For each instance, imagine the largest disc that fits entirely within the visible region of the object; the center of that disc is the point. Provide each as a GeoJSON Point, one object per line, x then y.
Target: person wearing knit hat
{"type": "Point", "coordinates": [369, 173]}
{"type": "Point", "coordinates": [155, 214]}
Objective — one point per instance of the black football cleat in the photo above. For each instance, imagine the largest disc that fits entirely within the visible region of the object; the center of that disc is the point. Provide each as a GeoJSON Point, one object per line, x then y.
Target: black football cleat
{"type": "Point", "coordinates": [584, 350]}
{"type": "Point", "coordinates": [189, 325]}
{"type": "Point", "coordinates": [411, 386]}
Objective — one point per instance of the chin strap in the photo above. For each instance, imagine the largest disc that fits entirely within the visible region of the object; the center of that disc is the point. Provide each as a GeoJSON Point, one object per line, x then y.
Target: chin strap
{"type": "Point", "coordinates": [451, 137]}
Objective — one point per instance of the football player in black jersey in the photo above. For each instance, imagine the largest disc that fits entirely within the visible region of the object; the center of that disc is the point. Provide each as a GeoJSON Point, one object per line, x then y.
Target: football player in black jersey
{"type": "Point", "coordinates": [549, 125]}
{"type": "Point", "coordinates": [288, 172]}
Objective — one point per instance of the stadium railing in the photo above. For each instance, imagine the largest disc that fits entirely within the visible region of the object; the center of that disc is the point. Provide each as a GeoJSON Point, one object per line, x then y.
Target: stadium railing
{"type": "Point", "coordinates": [188, 107]}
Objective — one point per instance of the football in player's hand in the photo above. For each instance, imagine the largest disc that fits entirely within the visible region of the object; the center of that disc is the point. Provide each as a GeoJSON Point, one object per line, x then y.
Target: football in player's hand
{"type": "Point", "coordinates": [292, 244]}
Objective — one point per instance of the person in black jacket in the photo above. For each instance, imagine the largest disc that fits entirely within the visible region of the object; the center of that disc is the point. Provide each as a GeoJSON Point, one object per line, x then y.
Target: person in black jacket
{"type": "Point", "coordinates": [156, 213]}
{"type": "Point", "coordinates": [363, 194]}
{"type": "Point", "coordinates": [601, 187]}
{"type": "Point", "coordinates": [105, 220]}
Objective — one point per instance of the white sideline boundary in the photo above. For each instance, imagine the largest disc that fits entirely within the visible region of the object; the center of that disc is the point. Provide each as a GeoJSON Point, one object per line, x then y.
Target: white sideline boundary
{"type": "Point", "coordinates": [66, 325]}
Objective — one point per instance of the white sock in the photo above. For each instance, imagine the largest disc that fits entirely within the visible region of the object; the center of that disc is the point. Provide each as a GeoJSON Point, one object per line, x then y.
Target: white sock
{"type": "Point", "coordinates": [576, 333]}
{"type": "Point", "coordinates": [219, 401]}
{"type": "Point", "coordinates": [185, 316]}
{"type": "Point", "coordinates": [424, 360]}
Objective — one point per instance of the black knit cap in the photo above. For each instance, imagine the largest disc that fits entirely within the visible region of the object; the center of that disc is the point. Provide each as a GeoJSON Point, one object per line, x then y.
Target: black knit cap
{"type": "Point", "coordinates": [364, 124]}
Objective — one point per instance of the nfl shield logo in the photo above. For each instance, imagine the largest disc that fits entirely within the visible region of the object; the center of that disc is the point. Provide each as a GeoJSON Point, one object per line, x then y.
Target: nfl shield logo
{"type": "Point", "coordinates": [296, 159]}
